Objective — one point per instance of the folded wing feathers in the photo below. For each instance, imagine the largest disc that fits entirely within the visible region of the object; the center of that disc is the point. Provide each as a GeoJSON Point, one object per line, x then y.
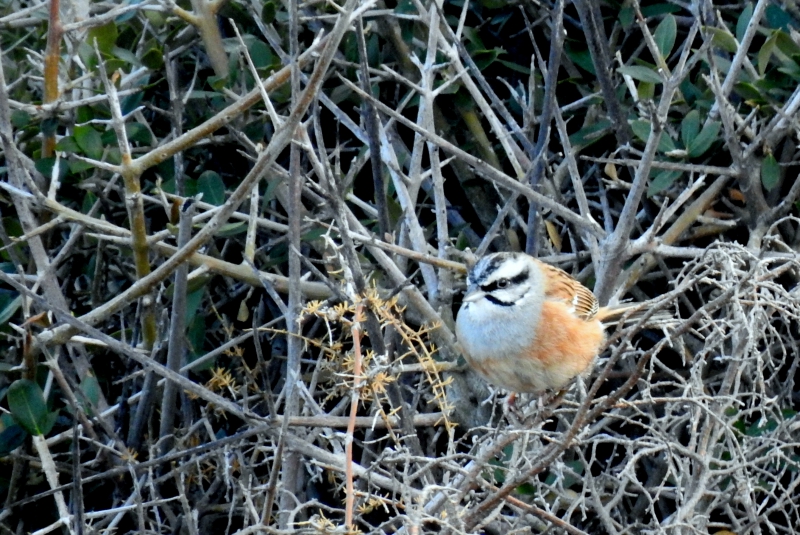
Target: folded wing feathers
{"type": "Point", "coordinates": [562, 287]}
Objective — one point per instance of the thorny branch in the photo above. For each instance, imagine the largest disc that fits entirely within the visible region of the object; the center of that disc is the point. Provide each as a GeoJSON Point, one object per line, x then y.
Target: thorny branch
{"type": "Point", "coordinates": [373, 146]}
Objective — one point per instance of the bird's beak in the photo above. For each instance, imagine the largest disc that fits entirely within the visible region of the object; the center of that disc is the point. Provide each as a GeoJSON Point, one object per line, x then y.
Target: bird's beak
{"type": "Point", "coordinates": [473, 294]}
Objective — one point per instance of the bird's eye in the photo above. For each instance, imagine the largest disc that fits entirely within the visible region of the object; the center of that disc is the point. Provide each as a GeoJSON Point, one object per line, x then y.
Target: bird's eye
{"type": "Point", "coordinates": [502, 283]}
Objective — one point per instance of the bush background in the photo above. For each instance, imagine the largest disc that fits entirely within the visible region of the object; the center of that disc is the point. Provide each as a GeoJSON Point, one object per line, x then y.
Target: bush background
{"type": "Point", "coordinates": [277, 354]}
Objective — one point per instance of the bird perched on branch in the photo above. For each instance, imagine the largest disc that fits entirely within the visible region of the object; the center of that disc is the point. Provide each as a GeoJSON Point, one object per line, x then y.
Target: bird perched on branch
{"type": "Point", "coordinates": [528, 326]}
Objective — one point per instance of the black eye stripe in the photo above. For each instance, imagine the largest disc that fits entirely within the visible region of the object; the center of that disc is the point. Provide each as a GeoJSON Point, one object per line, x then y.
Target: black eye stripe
{"type": "Point", "coordinates": [516, 279]}
{"type": "Point", "coordinates": [490, 287]}
{"type": "Point", "coordinates": [523, 276]}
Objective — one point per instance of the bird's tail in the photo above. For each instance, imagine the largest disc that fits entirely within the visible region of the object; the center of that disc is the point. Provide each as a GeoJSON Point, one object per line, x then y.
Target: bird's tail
{"type": "Point", "coordinates": [634, 313]}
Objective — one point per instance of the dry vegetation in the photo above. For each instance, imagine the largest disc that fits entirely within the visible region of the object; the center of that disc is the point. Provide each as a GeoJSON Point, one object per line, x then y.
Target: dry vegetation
{"type": "Point", "coordinates": [227, 306]}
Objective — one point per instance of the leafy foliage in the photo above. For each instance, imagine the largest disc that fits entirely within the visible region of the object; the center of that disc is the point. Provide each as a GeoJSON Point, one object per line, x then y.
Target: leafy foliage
{"type": "Point", "coordinates": [645, 147]}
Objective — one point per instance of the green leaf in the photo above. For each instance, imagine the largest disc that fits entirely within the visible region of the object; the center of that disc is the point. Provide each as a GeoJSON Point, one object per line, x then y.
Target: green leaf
{"type": "Point", "coordinates": [216, 82]}
{"type": "Point", "coordinates": [576, 467]}
{"type": "Point", "coordinates": [580, 57]}
{"type": "Point", "coordinates": [210, 184]}
{"type": "Point", "coordinates": [255, 131]}
{"type": "Point", "coordinates": [704, 139]}
{"type": "Point", "coordinates": [690, 127]}
{"type": "Point", "coordinates": [125, 55]}
{"type": "Point", "coordinates": [690, 91]}
{"type": "Point", "coordinates": [88, 201]}
{"type": "Point", "coordinates": [641, 129]}
{"type": "Point", "coordinates": [91, 389]}
{"type": "Point", "coordinates": [232, 229]}
{"type": "Point", "coordinates": [68, 144]}
{"type": "Point", "coordinates": [665, 35]}
{"type": "Point", "coordinates": [790, 69]}
{"type": "Point", "coordinates": [89, 140]}
{"type": "Point", "coordinates": [166, 169]}
{"type": "Point", "coordinates": [106, 36]}
{"type": "Point", "coordinates": [13, 228]}
{"type": "Point", "coordinates": [113, 156]}
{"type": "Point", "coordinates": [153, 59]}
{"type": "Point", "coordinates": [196, 336]}
{"type": "Point", "coordinates": [189, 186]}
{"type": "Point", "coordinates": [590, 133]}
{"type": "Point", "coordinates": [757, 429]}
{"type": "Point", "coordinates": [20, 118]}
{"type": "Point", "coordinates": [462, 242]}
{"type": "Point", "coordinates": [272, 187]}
{"type": "Point", "coordinates": [268, 12]}
{"type": "Point", "coordinates": [643, 74]}
{"type": "Point", "coordinates": [786, 44]}
{"type": "Point", "coordinates": [84, 114]}
{"type": "Point", "coordinates": [770, 172]}
{"type": "Point", "coordinates": [661, 181]}
{"type": "Point", "coordinates": [131, 102]}
{"type": "Point", "coordinates": [155, 18]}
{"type": "Point", "coordinates": [778, 18]}
{"type": "Point", "coordinates": [8, 307]}
{"type": "Point", "coordinates": [313, 234]}
{"type": "Point", "coordinates": [260, 53]}
{"type": "Point", "coordinates": [744, 20]}
{"type": "Point", "coordinates": [769, 84]}
{"type": "Point", "coordinates": [193, 301]}
{"type": "Point", "coordinates": [12, 435]}
{"type": "Point", "coordinates": [45, 166]}
{"type": "Point", "coordinates": [665, 143]}
{"type": "Point", "coordinates": [109, 137]}
{"type": "Point", "coordinates": [739, 426]}
{"type": "Point", "coordinates": [513, 66]}
{"type": "Point", "coordinates": [76, 167]}
{"type": "Point", "coordinates": [484, 58]}
{"type": "Point", "coordinates": [765, 54]}
{"type": "Point", "coordinates": [394, 209]}
{"type": "Point", "coordinates": [87, 55]}
{"type": "Point", "coordinates": [193, 285]}
{"type": "Point", "coordinates": [659, 9]}
{"type": "Point", "coordinates": [749, 92]}
{"type": "Point", "coordinates": [139, 133]}
{"type": "Point", "coordinates": [527, 489]}
{"type": "Point", "coordinates": [626, 17]}
{"type": "Point", "coordinates": [722, 38]}
{"type": "Point", "coordinates": [49, 126]}
{"type": "Point", "coordinates": [646, 90]}
{"type": "Point", "coordinates": [125, 17]}
{"type": "Point", "coordinates": [473, 37]}
{"type": "Point", "coordinates": [27, 405]}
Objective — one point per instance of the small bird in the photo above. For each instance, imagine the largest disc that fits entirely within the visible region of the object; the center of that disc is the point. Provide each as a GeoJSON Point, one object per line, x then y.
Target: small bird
{"type": "Point", "coordinates": [527, 326]}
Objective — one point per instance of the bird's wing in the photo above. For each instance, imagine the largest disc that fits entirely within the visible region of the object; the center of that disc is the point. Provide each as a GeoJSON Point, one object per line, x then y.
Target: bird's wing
{"type": "Point", "coordinates": [560, 286]}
